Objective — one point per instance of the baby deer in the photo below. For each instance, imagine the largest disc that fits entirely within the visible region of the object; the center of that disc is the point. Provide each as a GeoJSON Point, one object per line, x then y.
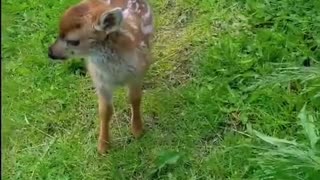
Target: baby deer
{"type": "Point", "coordinates": [114, 36]}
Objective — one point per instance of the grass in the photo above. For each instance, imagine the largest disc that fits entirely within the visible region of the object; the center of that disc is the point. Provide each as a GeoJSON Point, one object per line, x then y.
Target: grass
{"type": "Point", "coordinates": [228, 76]}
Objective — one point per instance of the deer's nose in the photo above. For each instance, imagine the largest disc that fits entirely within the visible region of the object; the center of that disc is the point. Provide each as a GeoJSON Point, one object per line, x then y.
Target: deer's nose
{"type": "Point", "coordinates": [52, 55]}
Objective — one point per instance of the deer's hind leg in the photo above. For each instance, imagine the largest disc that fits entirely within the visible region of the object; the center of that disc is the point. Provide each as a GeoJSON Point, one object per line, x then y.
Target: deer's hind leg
{"type": "Point", "coordinates": [135, 97]}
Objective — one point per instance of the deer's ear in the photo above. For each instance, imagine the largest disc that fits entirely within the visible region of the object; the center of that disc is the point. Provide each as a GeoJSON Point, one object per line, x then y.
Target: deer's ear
{"type": "Point", "coordinates": [110, 20]}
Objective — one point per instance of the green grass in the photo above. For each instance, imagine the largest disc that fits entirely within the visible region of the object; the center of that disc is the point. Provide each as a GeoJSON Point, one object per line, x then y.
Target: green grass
{"type": "Point", "coordinates": [228, 75]}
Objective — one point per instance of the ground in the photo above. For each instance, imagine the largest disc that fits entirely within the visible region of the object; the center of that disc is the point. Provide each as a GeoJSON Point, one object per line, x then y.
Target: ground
{"type": "Point", "coordinates": [224, 72]}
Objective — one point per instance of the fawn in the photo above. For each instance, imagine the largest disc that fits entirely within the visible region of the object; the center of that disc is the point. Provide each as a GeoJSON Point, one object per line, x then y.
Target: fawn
{"type": "Point", "coordinates": [114, 37]}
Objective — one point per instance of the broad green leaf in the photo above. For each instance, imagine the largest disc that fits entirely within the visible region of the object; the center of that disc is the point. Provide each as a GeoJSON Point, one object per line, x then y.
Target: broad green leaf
{"type": "Point", "coordinates": [273, 140]}
{"type": "Point", "coordinates": [167, 157]}
{"type": "Point", "coordinates": [307, 122]}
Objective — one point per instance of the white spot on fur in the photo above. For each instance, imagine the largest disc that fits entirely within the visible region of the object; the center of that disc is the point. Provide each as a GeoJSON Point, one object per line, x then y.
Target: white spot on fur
{"type": "Point", "coordinates": [147, 15]}
{"type": "Point", "coordinates": [133, 3]}
{"type": "Point", "coordinates": [128, 34]}
{"type": "Point", "coordinates": [133, 26]}
{"type": "Point", "coordinates": [137, 7]}
{"type": "Point", "coordinates": [142, 44]}
{"type": "Point", "coordinates": [126, 13]}
{"type": "Point", "coordinates": [147, 29]}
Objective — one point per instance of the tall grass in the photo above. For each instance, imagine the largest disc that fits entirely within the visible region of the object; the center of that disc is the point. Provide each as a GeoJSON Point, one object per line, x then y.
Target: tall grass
{"type": "Point", "coordinates": [289, 159]}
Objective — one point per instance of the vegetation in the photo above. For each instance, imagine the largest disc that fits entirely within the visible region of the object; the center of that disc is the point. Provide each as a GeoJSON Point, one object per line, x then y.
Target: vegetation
{"type": "Point", "coordinates": [234, 93]}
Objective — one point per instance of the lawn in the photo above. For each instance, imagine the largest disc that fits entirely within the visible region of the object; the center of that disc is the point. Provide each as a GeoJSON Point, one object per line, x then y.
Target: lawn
{"type": "Point", "coordinates": [234, 93]}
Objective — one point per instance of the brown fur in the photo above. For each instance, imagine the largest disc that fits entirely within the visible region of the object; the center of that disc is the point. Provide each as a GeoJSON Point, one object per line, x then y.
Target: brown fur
{"type": "Point", "coordinates": [117, 43]}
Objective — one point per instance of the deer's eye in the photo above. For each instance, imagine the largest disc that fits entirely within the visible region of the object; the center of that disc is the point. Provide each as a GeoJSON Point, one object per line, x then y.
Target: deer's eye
{"type": "Point", "coordinates": [73, 42]}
